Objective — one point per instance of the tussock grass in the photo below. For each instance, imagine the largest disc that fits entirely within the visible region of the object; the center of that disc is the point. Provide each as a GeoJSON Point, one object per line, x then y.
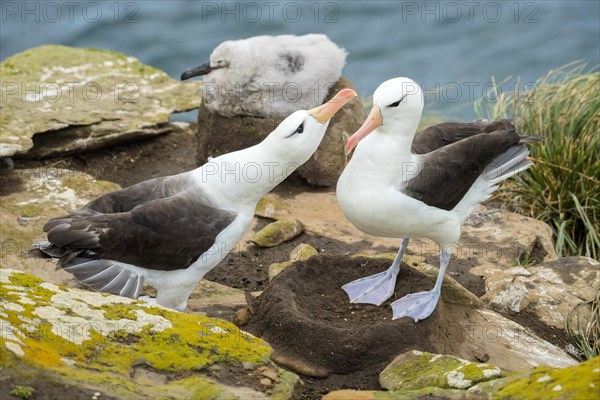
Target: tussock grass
{"type": "Point", "coordinates": [583, 326]}
{"type": "Point", "coordinates": [563, 187]}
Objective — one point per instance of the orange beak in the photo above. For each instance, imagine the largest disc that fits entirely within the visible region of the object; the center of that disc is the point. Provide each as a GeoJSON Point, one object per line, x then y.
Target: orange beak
{"type": "Point", "coordinates": [324, 112]}
{"type": "Point", "coordinates": [373, 121]}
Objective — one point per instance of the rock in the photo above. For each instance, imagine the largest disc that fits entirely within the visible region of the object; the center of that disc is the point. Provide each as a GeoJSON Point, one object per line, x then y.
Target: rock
{"type": "Point", "coordinates": [219, 135]}
{"type": "Point", "coordinates": [426, 393]}
{"type": "Point", "coordinates": [498, 240]}
{"type": "Point", "coordinates": [546, 291]}
{"type": "Point", "coordinates": [300, 252]}
{"type": "Point", "coordinates": [241, 316]}
{"type": "Point", "coordinates": [300, 366]}
{"type": "Point", "coordinates": [277, 268]}
{"type": "Point", "coordinates": [578, 382]}
{"type": "Point", "coordinates": [30, 197]}
{"type": "Point", "coordinates": [278, 232]}
{"type": "Point", "coordinates": [305, 315]}
{"type": "Point", "coordinates": [272, 207]}
{"type": "Point", "coordinates": [86, 342]}
{"type": "Point", "coordinates": [416, 370]}
{"type": "Point", "coordinates": [215, 300]}
{"type": "Point", "coordinates": [61, 100]}
{"type": "Point", "coordinates": [350, 395]}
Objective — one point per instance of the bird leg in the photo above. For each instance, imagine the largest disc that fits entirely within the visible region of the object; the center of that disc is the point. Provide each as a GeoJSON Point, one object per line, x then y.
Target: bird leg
{"type": "Point", "coordinates": [420, 305]}
{"type": "Point", "coordinates": [376, 289]}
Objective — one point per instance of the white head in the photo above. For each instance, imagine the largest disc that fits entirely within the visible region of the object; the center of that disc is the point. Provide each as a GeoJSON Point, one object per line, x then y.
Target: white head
{"type": "Point", "coordinates": [396, 102]}
{"type": "Point", "coordinates": [298, 136]}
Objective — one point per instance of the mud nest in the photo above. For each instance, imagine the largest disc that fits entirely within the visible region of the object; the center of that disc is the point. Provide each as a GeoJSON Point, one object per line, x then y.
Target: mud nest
{"type": "Point", "coordinates": [307, 318]}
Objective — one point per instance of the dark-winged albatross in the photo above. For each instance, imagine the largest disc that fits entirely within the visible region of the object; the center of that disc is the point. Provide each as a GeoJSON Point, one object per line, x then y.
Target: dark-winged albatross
{"type": "Point", "coordinates": [170, 231]}
{"type": "Point", "coordinates": [269, 76]}
{"type": "Point", "coordinates": [399, 185]}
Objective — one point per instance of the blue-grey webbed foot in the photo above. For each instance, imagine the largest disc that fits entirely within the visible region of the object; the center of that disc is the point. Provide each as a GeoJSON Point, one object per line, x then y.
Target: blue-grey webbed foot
{"type": "Point", "coordinates": [418, 305]}
{"type": "Point", "coordinates": [374, 289]}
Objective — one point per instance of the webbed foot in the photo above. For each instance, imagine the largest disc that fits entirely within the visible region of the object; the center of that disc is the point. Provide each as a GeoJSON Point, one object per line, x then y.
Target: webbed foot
{"type": "Point", "coordinates": [418, 305]}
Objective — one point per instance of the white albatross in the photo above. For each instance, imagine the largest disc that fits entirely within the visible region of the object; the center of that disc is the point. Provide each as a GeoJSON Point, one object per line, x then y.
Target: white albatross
{"type": "Point", "coordinates": [269, 76]}
{"type": "Point", "coordinates": [169, 232]}
{"type": "Point", "coordinates": [399, 185]}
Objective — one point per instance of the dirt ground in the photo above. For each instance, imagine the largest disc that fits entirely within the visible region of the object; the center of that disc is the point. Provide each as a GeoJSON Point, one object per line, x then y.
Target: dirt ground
{"type": "Point", "coordinates": [325, 304]}
{"type": "Point", "coordinates": [305, 315]}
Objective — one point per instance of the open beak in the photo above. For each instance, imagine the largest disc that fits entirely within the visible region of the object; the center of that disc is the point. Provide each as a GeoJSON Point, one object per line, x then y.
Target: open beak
{"type": "Point", "coordinates": [324, 112]}
{"type": "Point", "coordinates": [200, 70]}
{"type": "Point", "coordinates": [374, 120]}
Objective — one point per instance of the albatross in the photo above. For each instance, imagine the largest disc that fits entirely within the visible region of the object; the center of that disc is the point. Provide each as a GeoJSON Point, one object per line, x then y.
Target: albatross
{"type": "Point", "coordinates": [269, 76]}
{"type": "Point", "coordinates": [169, 232]}
{"type": "Point", "coordinates": [402, 186]}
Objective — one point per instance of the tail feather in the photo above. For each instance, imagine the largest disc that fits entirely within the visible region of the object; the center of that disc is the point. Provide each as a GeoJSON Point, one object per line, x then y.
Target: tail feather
{"type": "Point", "coordinates": [508, 164]}
{"type": "Point", "coordinates": [106, 276]}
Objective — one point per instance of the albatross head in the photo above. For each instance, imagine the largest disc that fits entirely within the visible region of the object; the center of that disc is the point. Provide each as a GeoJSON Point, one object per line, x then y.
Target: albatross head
{"type": "Point", "coordinates": [298, 136]}
{"type": "Point", "coordinates": [396, 102]}
{"type": "Point", "coordinates": [222, 57]}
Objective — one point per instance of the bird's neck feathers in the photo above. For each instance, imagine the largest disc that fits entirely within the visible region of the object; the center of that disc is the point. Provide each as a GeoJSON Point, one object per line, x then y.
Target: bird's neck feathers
{"type": "Point", "coordinates": [390, 142]}
{"type": "Point", "coordinates": [243, 177]}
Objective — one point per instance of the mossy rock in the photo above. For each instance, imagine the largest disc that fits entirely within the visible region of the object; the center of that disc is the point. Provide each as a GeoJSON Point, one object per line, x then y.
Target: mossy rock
{"type": "Point", "coordinates": [579, 382]}
{"type": "Point", "coordinates": [31, 197]}
{"type": "Point", "coordinates": [416, 370]}
{"type": "Point", "coordinates": [90, 341]}
{"type": "Point", "coordinates": [62, 99]}
{"type": "Point", "coordinates": [272, 207]}
{"type": "Point", "coordinates": [301, 252]}
{"type": "Point", "coordinates": [278, 232]}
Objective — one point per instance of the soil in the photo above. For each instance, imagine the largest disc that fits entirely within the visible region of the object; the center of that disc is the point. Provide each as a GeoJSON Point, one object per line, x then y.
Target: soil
{"type": "Point", "coordinates": [307, 317]}
{"type": "Point", "coordinates": [46, 389]}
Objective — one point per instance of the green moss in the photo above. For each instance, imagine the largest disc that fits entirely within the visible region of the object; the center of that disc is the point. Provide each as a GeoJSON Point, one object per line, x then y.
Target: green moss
{"type": "Point", "coordinates": [118, 312]}
{"type": "Point", "coordinates": [421, 370]}
{"type": "Point", "coordinates": [579, 382]}
{"type": "Point", "coordinates": [278, 232]}
{"type": "Point", "coordinates": [277, 268]}
{"type": "Point", "coordinates": [22, 392]}
{"type": "Point", "coordinates": [303, 252]}
{"type": "Point", "coordinates": [24, 280]}
{"type": "Point", "coordinates": [30, 210]}
{"type": "Point", "coordinates": [272, 208]}
{"type": "Point", "coordinates": [17, 235]}
{"type": "Point", "coordinates": [85, 183]}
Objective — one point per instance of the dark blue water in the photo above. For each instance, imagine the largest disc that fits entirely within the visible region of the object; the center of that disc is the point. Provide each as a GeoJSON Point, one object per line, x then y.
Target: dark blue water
{"type": "Point", "coordinates": [452, 46]}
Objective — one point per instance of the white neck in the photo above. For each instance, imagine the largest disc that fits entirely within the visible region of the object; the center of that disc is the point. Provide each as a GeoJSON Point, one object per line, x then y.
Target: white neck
{"type": "Point", "coordinates": [241, 178]}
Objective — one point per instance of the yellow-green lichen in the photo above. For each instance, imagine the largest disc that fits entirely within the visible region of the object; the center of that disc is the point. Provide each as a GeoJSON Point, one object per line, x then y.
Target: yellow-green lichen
{"type": "Point", "coordinates": [118, 312]}
{"type": "Point", "coordinates": [578, 382]}
{"type": "Point", "coordinates": [30, 210]}
{"type": "Point", "coordinates": [115, 345]}
{"type": "Point", "coordinates": [22, 392]}
{"type": "Point", "coordinates": [416, 370]}
{"type": "Point", "coordinates": [278, 232]}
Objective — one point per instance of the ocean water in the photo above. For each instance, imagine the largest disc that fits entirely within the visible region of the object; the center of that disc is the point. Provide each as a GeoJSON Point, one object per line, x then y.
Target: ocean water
{"type": "Point", "coordinates": [452, 48]}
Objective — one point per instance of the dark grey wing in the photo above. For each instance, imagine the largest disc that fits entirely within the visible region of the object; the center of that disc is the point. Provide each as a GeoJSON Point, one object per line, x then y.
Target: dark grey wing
{"type": "Point", "coordinates": [438, 136]}
{"type": "Point", "coordinates": [446, 174]}
{"type": "Point", "coordinates": [132, 196]}
{"type": "Point", "coordinates": [163, 234]}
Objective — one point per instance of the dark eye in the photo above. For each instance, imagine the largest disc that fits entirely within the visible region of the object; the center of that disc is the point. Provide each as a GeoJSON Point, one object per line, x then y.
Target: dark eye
{"type": "Point", "coordinates": [300, 128]}
{"type": "Point", "coordinates": [397, 103]}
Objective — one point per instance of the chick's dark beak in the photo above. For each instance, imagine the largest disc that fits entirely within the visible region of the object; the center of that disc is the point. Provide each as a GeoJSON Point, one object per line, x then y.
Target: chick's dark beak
{"type": "Point", "coordinates": [200, 70]}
